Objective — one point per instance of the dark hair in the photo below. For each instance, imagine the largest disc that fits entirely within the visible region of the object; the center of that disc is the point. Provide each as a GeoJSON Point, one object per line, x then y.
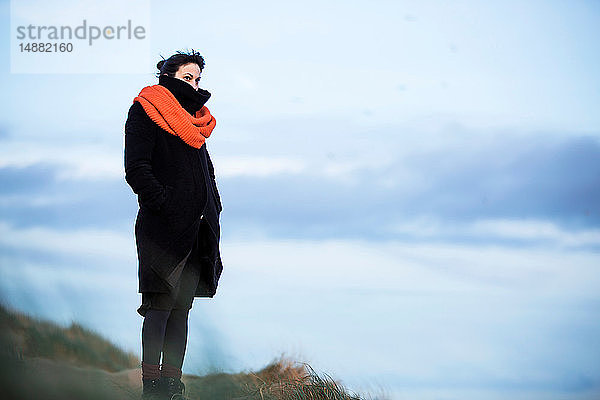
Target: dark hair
{"type": "Point", "coordinates": [172, 64]}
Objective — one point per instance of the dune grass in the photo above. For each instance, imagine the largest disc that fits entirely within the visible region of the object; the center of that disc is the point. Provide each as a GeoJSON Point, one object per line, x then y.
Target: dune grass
{"type": "Point", "coordinates": [39, 359]}
{"type": "Point", "coordinates": [25, 336]}
{"type": "Point", "coordinates": [282, 381]}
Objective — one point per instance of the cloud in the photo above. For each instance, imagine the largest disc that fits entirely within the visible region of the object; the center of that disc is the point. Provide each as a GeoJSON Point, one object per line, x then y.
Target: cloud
{"type": "Point", "coordinates": [471, 186]}
{"type": "Point", "coordinates": [72, 161]}
{"type": "Point", "coordinates": [75, 242]}
{"type": "Point", "coordinates": [36, 195]}
{"type": "Point", "coordinates": [515, 231]}
{"type": "Point", "coordinates": [256, 166]}
{"type": "Point", "coordinates": [463, 316]}
{"type": "Point", "coordinates": [516, 177]}
{"type": "Point", "coordinates": [536, 231]}
{"type": "Point", "coordinates": [448, 184]}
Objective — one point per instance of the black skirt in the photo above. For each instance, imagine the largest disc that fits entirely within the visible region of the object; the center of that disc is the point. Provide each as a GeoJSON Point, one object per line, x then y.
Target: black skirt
{"type": "Point", "coordinates": [186, 277]}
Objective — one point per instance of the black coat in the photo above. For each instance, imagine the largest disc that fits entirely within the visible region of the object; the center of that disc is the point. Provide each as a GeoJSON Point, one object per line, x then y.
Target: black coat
{"type": "Point", "coordinates": [177, 195]}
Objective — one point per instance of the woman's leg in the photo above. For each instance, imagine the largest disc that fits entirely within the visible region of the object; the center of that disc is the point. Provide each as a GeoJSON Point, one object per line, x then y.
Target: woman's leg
{"type": "Point", "coordinates": [153, 334]}
{"type": "Point", "coordinates": [175, 343]}
{"type": "Point", "coordinates": [176, 332]}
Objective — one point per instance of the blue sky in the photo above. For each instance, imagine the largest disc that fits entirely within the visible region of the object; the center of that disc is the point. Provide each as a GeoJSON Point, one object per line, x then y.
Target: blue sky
{"type": "Point", "coordinates": [410, 192]}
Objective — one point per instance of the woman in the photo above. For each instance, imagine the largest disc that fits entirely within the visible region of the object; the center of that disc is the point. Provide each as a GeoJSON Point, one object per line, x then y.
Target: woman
{"type": "Point", "coordinates": [177, 226]}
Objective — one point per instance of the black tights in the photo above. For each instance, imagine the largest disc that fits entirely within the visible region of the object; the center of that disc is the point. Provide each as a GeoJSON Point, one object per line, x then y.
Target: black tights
{"type": "Point", "coordinates": [166, 317]}
{"type": "Point", "coordinates": [166, 331]}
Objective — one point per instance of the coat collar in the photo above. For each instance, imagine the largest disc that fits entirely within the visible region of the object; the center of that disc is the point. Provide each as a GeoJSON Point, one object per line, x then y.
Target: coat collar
{"type": "Point", "coordinates": [190, 99]}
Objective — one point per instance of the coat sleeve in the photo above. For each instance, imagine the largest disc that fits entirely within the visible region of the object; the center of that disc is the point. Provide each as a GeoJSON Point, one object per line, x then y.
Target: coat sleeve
{"type": "Point", "coordinates": [139, 144]}
{"type": "Point", "coordinates": [211, 171]}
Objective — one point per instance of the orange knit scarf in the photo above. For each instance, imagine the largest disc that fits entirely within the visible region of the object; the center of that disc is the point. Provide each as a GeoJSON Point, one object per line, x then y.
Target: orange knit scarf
{"type": "Point", "coordinates": [164, 109]}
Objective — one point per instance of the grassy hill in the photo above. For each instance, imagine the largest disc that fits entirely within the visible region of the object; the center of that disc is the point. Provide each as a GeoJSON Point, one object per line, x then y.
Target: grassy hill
{"type": "Point", "coordinates": [41, 360]}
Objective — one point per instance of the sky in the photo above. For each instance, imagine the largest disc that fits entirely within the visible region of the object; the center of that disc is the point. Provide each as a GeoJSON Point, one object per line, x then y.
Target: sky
{"type": "Point", "coordinates": [410, 190]}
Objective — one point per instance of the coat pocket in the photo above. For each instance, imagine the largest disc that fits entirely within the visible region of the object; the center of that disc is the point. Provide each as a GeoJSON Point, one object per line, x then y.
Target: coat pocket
{"type": "Point", "coordinates": [169, 192]}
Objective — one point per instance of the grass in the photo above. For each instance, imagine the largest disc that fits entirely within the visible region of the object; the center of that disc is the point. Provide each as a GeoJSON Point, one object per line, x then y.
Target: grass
{"type": "Point", "coordinates": [282, 381]}
{"type": "Point", "coordinates": [24, 336]}
{"type": "Point", "coordinates": [39, 359]}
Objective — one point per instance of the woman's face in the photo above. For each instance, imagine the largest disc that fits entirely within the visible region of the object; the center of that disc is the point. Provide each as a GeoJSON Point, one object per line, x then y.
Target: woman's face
{"type": "Point", "coordinates": [189, 73]}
